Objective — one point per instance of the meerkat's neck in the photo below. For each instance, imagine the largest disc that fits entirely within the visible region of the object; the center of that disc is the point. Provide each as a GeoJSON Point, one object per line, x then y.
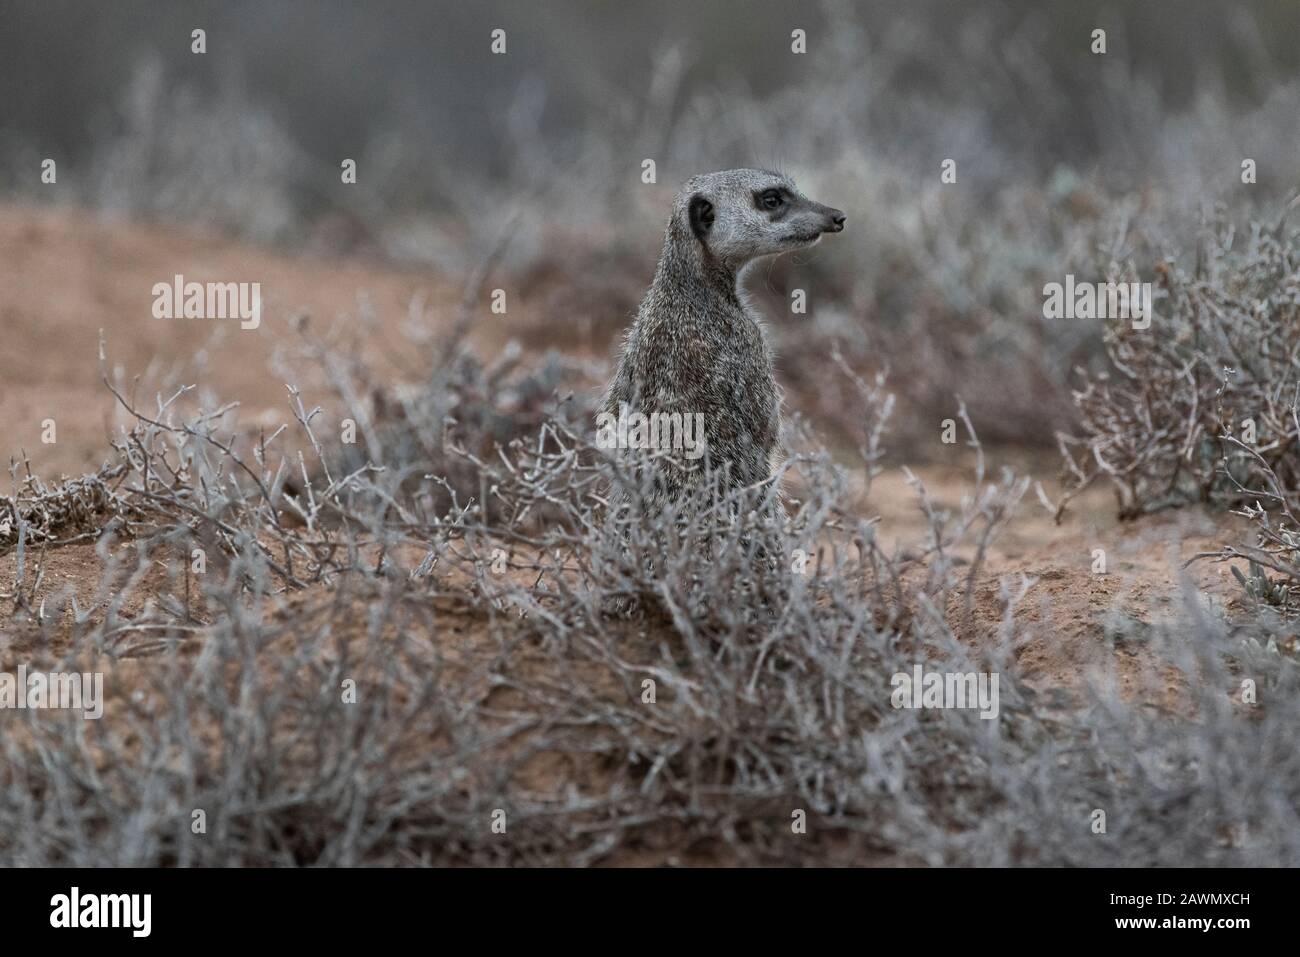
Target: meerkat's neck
{"type": "Point", "coordinates": [687, 269]}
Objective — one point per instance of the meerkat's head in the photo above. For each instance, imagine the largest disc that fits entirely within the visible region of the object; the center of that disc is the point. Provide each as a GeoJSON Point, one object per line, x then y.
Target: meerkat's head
{"type": "Point", "coordinates": [741, 214]}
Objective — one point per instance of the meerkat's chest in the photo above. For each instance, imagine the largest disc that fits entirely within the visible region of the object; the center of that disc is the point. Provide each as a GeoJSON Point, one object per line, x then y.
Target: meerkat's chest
{"type": "Point", "coordinates": [730, 373]}
{"type": "Point", "coordinates": [719, 355]}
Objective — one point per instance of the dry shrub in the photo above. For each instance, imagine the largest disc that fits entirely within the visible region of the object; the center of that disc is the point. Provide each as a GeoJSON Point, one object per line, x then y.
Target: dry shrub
{"type": "Point", "coordinates": [468, 613]}
{"type": "Point", "coordinates": [57, 513]}
{"type": "Point", "coordinates": [1220, 359]}
{"type": "Point", "coordinates": [1204, 406]}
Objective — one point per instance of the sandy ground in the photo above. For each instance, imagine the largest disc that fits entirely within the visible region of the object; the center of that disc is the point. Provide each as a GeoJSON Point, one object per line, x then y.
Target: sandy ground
{"type": "Point", "coordinates": [66, 275]}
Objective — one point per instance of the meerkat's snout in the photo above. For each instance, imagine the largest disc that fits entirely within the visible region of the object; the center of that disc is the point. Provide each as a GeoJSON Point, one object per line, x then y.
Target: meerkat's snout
{"type": "Point", "coordinates": [808, 222]}
{"type": "Point", "coordinates": [832, 220]}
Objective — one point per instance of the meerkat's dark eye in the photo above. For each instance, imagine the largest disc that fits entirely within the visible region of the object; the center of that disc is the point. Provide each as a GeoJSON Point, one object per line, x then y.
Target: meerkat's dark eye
{"type": "Point", "coordinates": [770, 199]}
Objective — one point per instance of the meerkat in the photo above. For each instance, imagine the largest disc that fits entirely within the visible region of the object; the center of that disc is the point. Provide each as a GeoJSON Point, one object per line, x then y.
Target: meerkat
{"type": "Point", "coordinates": [697, 348]}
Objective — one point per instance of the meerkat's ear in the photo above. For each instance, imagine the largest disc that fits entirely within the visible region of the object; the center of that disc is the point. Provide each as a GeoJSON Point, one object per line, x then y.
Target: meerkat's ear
{"type": "Point", "coordinates": [700, 211]}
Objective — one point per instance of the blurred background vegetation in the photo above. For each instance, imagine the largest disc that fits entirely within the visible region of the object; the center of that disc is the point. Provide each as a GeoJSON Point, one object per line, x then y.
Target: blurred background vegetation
{"type": "Point", "coordinates": [1067, 161]}
{"type": "Point", "coordinates": [336, 75]}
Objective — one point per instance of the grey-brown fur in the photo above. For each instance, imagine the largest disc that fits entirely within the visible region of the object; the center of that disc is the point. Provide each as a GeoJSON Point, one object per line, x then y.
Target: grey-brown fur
{"type": "Point", "coordinates": [696, 345]}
